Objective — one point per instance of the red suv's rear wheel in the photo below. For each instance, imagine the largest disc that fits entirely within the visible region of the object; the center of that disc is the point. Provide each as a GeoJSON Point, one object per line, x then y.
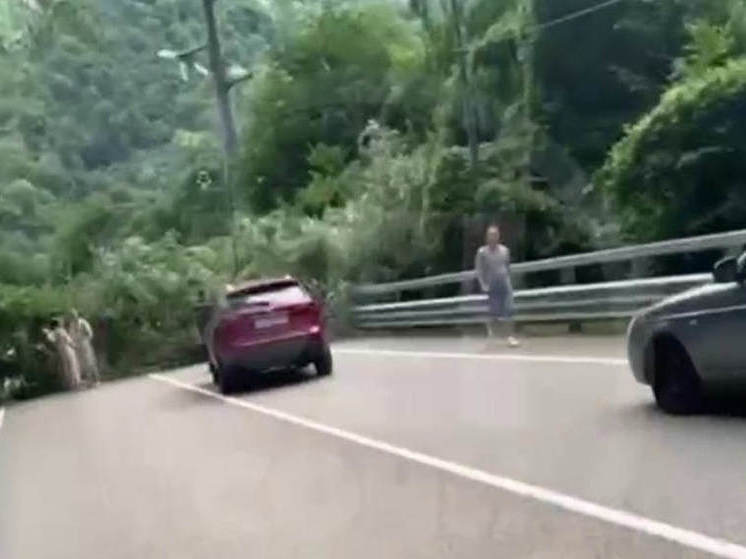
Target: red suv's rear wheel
{"type": "Point", "coordinates": [323, 362]}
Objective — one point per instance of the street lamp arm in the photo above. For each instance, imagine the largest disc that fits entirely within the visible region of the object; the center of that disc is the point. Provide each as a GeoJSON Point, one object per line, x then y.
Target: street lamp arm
{"type": "Point", "coordinates": [201, 69]}
{"type": "Point", "coordinates": [183, 56]}
{"type": "Point", "coordinates": [238, 80]}
{"type": "Point", "coordinates": [191, 52]}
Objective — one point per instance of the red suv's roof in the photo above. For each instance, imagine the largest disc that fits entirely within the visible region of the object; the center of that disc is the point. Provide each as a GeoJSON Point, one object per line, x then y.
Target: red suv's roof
{"type": "Point", "coordinates": [261, 285]}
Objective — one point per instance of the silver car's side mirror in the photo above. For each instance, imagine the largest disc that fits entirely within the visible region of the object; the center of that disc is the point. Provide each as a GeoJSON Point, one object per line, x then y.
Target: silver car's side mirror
{"type": "Point", "coordinates": [726, 271]}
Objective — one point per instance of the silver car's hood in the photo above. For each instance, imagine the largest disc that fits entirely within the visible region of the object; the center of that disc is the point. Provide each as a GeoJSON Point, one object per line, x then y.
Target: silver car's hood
{"type": "Point", "coordinates": [689, 301]}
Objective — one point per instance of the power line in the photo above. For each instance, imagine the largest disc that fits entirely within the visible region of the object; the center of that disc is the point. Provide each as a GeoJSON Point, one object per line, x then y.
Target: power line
{"type": "Point", "coordinates": [576, 15]}
{"type": "Point", "coordinates": [559, 21]}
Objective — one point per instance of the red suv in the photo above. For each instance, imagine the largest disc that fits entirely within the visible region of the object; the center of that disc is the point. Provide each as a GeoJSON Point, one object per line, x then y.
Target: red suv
{"type": "Point", "coordinates": [264, 325]}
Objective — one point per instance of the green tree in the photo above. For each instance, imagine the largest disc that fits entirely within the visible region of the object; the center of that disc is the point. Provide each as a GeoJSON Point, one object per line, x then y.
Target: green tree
{"type": "Point", "coordinates": [323, 81]}
{"type": "Point", "coordinates": [680, 170]}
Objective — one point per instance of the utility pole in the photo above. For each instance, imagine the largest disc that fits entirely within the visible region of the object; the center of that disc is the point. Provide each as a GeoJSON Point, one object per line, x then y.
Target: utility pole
{"type": "Point", "coordinates": [526, 48]}
{"type": "Point", "coordinates": [224, 79]}
{"type": "Point", "coordinates": [470, 116]}
{"type": "Point", "coordinates": [225, 112]}
{"type": "Point", "coordinates": [527, 60]}
{"type": "Point", "coordinates": [220, 79]}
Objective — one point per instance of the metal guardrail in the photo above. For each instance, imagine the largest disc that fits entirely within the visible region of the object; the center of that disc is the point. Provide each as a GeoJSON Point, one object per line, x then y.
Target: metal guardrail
{"type": "Point", "coordinates": [678, 246]}
{"type": "Point", "coordinates": [601, 301]}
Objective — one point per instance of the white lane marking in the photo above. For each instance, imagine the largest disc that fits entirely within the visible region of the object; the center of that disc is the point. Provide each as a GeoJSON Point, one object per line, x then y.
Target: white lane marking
{"type": "Point", "coordinates": [487, 357]}
{"type": "Point", "coordinates": [681, 536]}
{"type": "Point", "coordinates": [2, 417]}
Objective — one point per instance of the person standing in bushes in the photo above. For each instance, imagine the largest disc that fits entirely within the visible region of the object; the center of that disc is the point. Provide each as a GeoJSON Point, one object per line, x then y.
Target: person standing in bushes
{"type": "Point", "coordinates": [82, 336]}
{"type": "Point", "coordinates": [65, 347]}
{"type": "Point", "coordinates": [492, 266]}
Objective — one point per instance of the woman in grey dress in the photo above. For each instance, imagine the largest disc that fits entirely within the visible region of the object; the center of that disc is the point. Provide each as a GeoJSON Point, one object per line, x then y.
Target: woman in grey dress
{"type": "Point", "coordinates": [492, 266]}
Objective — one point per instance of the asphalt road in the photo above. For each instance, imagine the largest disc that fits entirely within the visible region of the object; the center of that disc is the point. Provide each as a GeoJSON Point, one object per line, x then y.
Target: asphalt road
{"type": "Point", "coordinates": [416, 447]}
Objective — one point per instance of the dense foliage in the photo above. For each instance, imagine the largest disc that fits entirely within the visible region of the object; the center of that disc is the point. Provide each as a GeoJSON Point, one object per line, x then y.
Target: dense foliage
{"type": "Point", "coordinates": [377, 139]}
{"type": "Point", "coordinates": [681, 170]}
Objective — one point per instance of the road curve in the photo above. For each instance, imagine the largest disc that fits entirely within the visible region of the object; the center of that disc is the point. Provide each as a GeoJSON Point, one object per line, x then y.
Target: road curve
{"type": "Point", "coordinates": [160, 467]}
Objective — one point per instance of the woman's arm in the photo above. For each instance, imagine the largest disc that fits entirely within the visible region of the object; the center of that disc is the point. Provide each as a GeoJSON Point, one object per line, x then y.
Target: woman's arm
{"type": "Point", "coordinates": [86, 327]}
{"type": "Point", "coordinates": [49, 335]}
{"type": "Point", "coordinates": [66, 338]}
{"type": "Point", "coordinates": [481, 272]}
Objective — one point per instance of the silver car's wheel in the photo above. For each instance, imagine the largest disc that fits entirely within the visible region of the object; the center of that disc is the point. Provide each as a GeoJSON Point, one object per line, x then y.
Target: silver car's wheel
{"type": "Point", "coordinates": [676, 386]}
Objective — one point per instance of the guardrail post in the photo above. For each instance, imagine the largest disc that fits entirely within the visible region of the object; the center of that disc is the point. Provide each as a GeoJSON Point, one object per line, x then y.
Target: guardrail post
{"type": "Point", "coordinates": [641, 267]}
{"type": "Point", "coordinates": [569, 277]}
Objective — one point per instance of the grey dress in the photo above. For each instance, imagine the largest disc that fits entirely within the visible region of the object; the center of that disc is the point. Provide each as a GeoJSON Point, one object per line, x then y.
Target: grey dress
{"type": "Point", "coordinates": [493, 272]}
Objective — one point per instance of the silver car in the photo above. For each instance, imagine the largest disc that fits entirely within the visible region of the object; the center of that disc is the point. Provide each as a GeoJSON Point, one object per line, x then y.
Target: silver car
{"type": "Point", "coordinates": [693, 343]}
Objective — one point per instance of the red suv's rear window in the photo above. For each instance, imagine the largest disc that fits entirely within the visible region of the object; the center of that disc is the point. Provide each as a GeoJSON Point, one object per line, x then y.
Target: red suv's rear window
{"type": "Point", "coordinates": [275, 294]}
